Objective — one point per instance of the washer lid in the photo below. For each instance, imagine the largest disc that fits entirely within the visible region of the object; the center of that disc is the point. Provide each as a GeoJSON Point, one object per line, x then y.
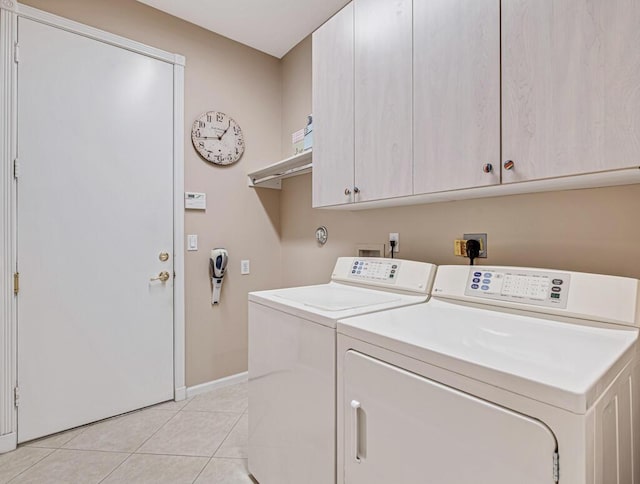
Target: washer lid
{"type": "Point", "coordinates": [567, 365]}
{"type": "Point", "coordinates": [327, 303]}
{"type": "Point", "coordinates": [335, 298]}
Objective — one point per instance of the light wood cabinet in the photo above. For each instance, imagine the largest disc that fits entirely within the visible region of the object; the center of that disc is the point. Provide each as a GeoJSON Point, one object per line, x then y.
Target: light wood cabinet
{"type": "Point", "coordinates": [571, 100]}
{"type": "Point", "coordinates": [456, 100]}
{"type": "Point", "coordinates": [383, 99]}
{"type": "Point", "coordinates": [421, 100]}
{"type": "Point", "coordinates": [333, 110]}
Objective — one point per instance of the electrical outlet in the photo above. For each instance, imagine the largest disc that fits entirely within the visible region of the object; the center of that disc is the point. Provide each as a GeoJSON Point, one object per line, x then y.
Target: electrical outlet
{"type": "Point", "coordinates": [395, 236]}
{"type": "Point", "coordinates": [482, 238]}
{"type": "Point", "coordinates": [245, 267]}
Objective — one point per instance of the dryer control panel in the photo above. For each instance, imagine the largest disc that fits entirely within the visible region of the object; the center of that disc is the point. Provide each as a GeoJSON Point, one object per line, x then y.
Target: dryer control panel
{"type": "Point", "coordinates": [541, 288]}
{"type": "Point", "coordinates": [595, 297]}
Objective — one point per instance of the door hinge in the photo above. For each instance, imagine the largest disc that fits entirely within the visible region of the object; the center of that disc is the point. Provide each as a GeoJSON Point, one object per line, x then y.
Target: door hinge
{"type": "Point", "coordinates": [16, 396]}
{"type": "Point", "coordinates": [556, 467]}
{"type": "Point", "coordinates": [16, 169]}
{"type": "Point", "coordinates": [16, 53]}
{"type": "Point", "coordinates": [16, 283]}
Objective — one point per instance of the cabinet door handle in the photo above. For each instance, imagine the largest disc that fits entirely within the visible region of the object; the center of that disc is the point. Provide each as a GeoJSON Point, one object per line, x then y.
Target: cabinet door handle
{"type": "Point", "coordinates": [355, 406]}
{"type": "Point", "coordinates": [508, 165]}
{"type": "Point", "coordinates": [487, 168]}
{"type": "Point", "coordinates": [347, 191]}
{"type": "Point", "coordinates": [356, 190]}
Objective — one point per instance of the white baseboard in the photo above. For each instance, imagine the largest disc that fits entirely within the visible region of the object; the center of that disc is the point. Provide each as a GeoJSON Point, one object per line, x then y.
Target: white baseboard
{"type": "Point", "coordinates": [180, 394]}
{"type": "Point", "coordinates": [8, 442]}
{"type": "Point", "coordinates": [220, 383]}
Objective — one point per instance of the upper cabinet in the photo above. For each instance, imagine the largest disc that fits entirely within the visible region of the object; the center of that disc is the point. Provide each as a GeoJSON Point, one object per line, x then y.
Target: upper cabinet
{"type": "Point", "coordinates": [383, 99]}
{"type": "Point", "coordinates": [571, 96]}
{"type": "Point", "coordinates": [422, 100]}
{"type": "Point", "coordinates": [333, 105]}
{"type": "Point", "coordinates": [456, 100]}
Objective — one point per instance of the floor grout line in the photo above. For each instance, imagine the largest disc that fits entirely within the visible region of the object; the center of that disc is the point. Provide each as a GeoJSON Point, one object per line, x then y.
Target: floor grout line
{"type": "Point", "coordinates": [115, 468]}
{"type": "Point", "coordinates": [228, 434]}
{"type": "Point", "coordinates": [36, 462]}
{"type": "Point", "coordinates": [154, 433]}
{"type": "Point", "coordinates": [202, 470]}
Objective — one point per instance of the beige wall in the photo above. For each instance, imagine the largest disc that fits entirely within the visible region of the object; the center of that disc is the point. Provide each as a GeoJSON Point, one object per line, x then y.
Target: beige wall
{"type": "Point", "coordinates": [246, 84]}
{"type": "Point", "coordinates": [584, 230]}
{"type": "Point", "coordinates": [587, 230]}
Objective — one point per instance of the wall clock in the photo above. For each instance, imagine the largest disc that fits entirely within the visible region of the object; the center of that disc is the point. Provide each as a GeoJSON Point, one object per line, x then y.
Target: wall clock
{"type": "Point", "coordinates": [218, 138]}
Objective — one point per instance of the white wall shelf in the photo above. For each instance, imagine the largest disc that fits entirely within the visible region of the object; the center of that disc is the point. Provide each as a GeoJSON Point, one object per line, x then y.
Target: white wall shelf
{"type": "Point", "coordinates": [271, 176]}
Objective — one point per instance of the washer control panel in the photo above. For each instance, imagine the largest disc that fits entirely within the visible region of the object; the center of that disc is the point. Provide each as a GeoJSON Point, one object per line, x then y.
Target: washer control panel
{"type": "Point", "coordinates": [375, 270]}
{"type": "Point", "coordinates": [540, 288]}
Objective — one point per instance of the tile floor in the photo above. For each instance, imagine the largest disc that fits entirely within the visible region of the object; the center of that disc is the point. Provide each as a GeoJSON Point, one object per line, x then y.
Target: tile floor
{"type": "Point", "coordinates": [200, 440]}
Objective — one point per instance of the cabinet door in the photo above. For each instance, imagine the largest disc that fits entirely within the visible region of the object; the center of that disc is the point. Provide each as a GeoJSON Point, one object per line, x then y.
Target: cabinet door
{"type": "Point", "coordinates": [456, 75]}
{"type": "Point", "coordinates": [570, 86]}
{"type": "Point", "coordinates": [383, 99]}
{"type": "Point", "coordinates": [409, 429]}
{"type": "Point", "coordinates": [333, 110]}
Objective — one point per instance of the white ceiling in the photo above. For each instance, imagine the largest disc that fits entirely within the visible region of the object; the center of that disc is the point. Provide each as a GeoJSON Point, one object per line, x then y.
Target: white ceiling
{"type": "Point", "coordinates": [272, 26]}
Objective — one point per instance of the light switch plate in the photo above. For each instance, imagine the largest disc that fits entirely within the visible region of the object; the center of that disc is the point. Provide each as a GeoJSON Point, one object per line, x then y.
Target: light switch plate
{"type": "Point", "coordinates": [192, 242]}
{"type": "Point", "coordinates": [245, 267]}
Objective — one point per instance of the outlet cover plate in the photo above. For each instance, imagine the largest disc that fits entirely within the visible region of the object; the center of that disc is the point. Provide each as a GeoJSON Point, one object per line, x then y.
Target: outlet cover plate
{"type": "Point", "coordinates": [483, 240]}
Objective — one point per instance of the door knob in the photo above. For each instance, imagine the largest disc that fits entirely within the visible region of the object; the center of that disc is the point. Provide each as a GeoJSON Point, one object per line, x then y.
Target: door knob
{"type": "Point", "coordinates": [164, 256]}
{"type": "Point", "coordinates": [163, 276]}
{"type": "Point", "coordinates": [508, 165]}
{"type": "Point", "coordinates": [347, 191]}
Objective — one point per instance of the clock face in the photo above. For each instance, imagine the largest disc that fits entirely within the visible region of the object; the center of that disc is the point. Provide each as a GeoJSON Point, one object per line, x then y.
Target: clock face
{"type": "Point", "coordinates": [218, 138]}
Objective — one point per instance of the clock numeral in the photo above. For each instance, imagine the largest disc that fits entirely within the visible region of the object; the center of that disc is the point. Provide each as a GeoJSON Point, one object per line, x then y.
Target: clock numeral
{"type": "Point", "coordinates": [201, 124]}
{"type": "Point", "coordinates": [219, 117]}
{"type": "Point", "coordinates": [209, 118]}
{"type": "Point", "coordinates": [198, 133]}
{"type": "Point", "coordinates": [201, 144]}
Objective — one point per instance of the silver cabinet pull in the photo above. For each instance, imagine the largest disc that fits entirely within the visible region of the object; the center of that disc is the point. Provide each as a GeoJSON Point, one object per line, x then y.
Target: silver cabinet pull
{"type": "Point", "coordinates": [355, 406]}
{"type": "Point", "coordinates": [347, 191]}
{"type": "Point", "coordinates": [508, 165]}
{"type": "Point", "coordinates": [356, 190]}
{"type": "Point", "coordinates": [487, 168]}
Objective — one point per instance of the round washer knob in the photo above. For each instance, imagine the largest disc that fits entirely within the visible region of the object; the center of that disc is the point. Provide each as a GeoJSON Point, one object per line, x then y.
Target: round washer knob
{"type": "Point", "coordinates": [508, 165]}
{"type": "Point", "coordinates": [487, 168]}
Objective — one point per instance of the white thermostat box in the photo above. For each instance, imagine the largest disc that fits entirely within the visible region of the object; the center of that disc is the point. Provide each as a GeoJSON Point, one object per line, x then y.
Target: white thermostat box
{"type": "Point", "coordinates": [195, 201]}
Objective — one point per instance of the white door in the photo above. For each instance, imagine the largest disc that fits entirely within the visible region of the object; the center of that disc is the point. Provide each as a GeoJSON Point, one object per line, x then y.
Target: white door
{"type": "Point", "coordinates": [402, 428]}
{"type": "Point", "coordinates": [95, 195]}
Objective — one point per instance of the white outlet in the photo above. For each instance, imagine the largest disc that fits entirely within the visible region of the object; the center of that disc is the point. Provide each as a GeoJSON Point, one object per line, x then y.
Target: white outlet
{"type": "Point", "coordinates": [395, 236]}
{"type": "Point", "coordinates": [245, 267]}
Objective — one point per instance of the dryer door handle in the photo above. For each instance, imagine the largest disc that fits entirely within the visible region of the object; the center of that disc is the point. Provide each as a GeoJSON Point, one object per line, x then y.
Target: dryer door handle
{"type": "Point", "coordinates": [355, 406]}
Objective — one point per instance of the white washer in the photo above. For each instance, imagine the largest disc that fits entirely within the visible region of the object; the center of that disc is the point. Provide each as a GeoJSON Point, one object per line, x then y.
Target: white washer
{"type": "Point", "coordinates": [507, 375]}
{"type": "Point", "coordinates": [292, 362]}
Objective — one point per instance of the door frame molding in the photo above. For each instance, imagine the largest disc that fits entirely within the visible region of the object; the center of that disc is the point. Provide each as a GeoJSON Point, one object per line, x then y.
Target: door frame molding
{"type": "Point", "coordinates": [10, 11]}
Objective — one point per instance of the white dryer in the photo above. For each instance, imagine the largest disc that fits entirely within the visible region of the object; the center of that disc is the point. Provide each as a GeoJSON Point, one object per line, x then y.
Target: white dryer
{"type": "Point", "coordinates": [507, 375]}
{"type": "Point", "coordinates": [292, 362]}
